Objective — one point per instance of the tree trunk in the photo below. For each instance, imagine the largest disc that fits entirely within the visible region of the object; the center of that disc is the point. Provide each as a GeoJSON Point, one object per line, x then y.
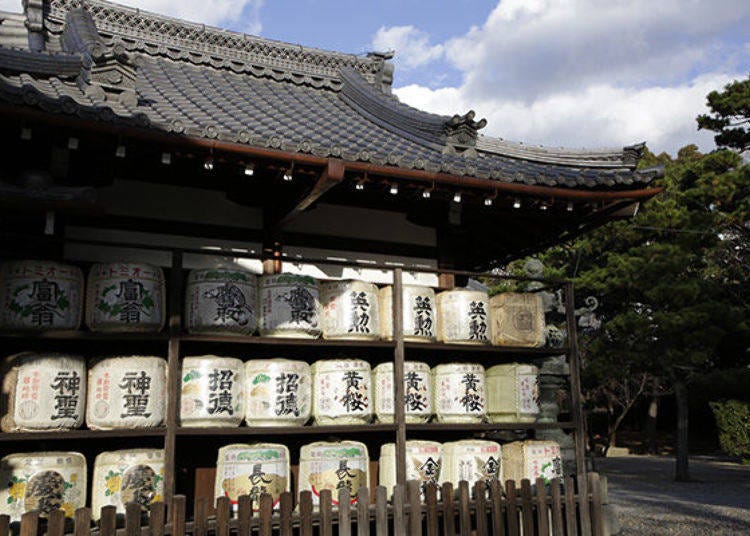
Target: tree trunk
{"type": "Point", "coordinates": [652, 418]}
{"type": "Point", "coordinates": [681, 395]}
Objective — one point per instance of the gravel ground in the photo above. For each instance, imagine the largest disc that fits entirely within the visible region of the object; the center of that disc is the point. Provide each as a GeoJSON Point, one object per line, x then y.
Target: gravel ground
{"type": "Point", "coordinates": [647, 500]}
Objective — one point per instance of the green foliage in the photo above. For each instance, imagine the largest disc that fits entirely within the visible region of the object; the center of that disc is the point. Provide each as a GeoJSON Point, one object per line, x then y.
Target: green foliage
{"type": "Point", "coordinates": [733, 420]}
{"type": "Point", "coordinates": [730, 115]}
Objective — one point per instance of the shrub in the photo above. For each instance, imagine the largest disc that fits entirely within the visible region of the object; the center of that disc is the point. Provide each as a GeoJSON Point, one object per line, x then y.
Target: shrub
{"type": "Point", "coordinates": [733, 420]}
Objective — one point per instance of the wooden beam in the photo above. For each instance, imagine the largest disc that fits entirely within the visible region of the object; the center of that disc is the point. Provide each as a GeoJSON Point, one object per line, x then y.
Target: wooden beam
{"type": "Point", "coordinates": [332, 175]}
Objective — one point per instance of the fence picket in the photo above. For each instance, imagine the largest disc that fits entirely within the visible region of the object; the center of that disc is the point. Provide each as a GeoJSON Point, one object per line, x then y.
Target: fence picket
{"type": "Point", "coordinates": [223, 515]}
{"type": "Point", "coordinates": [244, 514]}
{"type": "Point", "coordinates": [480, 501]}
{"type": "Point", "coordinates": [557, 519]}
{"type": "Point", "coordinates": [29, 523]}
{"type": "Point", "coordinates": [497, 510]}
{"type": "Point", "coordinates": [415, 508]}
{"type": "Point", "coordinates": [464, 513]}
{"type": "Point", "coordinates": [542, 513]}
{"type": "Point", "coordinates": [286, 505]}
{"type": "Point", "coordinates": [432, 509]}
{"type": "Point", "coordinates": [363, 512]}
{"type": "Point", "coordinates": [571, 520]}
{"type": "Point", "coordinates": [107, 521]}
{"type": "Point", "coordinates": [177, 514]}
{"type": "Point", "coordinates": [511, 509]}
{"type": "Point", "coordinates": [266, 515]}
{"type": "Point", "coordinates": [381, 511]}
{"type": "Point", "coordinates": [200, 514]}
{"type": "Point", "coordinates": [583, 505]}
{"type": "Point", "coordinates": [133, 519]}
{"type": "Point", "coordinates": [597, 517]}
{"type": "Point", "coordinates": [156, 518]}
{"type": "Point", "coordinates": [305, 513]}
{"type": "Point", "coordinates": [56, 523]}
{"type": "Point", "coordinates": [449, 523]}
{"type": "Point", "coordinates": [345, 518]}
{"type": "Point", "coordinates": [81, 523]}
{"type": "Point", "coordinates": [399, 520]}
{"type": "Point", "coordinates": [527, 507]}
{"type": "Point", "coordinates": [326, 517]}
{"type": "Point", "coordinates": [5, 525]}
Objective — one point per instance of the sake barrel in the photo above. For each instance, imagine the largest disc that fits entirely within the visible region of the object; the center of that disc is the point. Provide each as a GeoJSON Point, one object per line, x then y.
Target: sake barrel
{"type": "Point", "coordinates": [221, 301]}
{"type": "Point", "coordinates": [423, 463]}
{"type": "Point", "coordinates": [40, 295]}
{"type": "Point", "coordinates": [512, 393]}
{"type": "Point", "coordinates": [252, 470]}
{"type": "Point", "coordinates": [44, 481]}
{"type": "Point", "coordinates": [417, 392]}
{"type": "Point", "coordinates": [127, 392]}
{"type": "Point", "coordinates": [42, 392]}
{"type": "Point", "coordinates": [532, 460]}
{"type": "Point", "coordinates": [420, 313]}
{"type": "Point", "coordinates": [324, 465]}
{"type": "Point", "coordinates": [341, 391]}
{"type": "Point", "coordinates": [473, 460]}
{"type": "Point", "coordinates": [125, 297]}
{"type": "Point", "coordinates": [458, 392]}
{"type": "Point", "coordinates": [123, 476]}
{"type": "Point", "coordinates": [277, 392]}
{"type": "Point", "coordinates": [350, 310]}
{"type": "Point", "coordinates": [517, 319]}
{"type": "Point", "coordinates": [289, 306]}
{"type": "Point", "coordinates": [211, 391]}
{"type": "Point", "coordinates": [463, 317]}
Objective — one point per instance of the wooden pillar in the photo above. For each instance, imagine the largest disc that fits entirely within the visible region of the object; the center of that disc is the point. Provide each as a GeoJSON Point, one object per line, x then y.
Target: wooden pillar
{"type": "Point", "coordinates": [272, 257]}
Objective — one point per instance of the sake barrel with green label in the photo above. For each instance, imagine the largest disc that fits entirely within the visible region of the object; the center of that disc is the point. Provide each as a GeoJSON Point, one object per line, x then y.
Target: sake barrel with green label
{"type": "Point", "coordinates": [532, 460]}
{"type": "Point", "coordinates": [473, 460]}
{"type": "Point", "coordinates": [42, 392]}
{"type": "Point", "coordinates": [40, 295]}
{"type": "Point", "coordinates": [341, 391]}
{"type": "Point", "coordinates": [459, 392]}
{"type": "Point", "coordinates": [252, 470]}
{"type": "Point", "coordinates": [420, 313]}
{"type": "Point", "coordinates": [123, 476]}
{"type": "Point", "coordinates": [42, 481]}
{"type": "Point", "coordinates": [463, 317]}
{"type": "Point", "coordinates": [289, 306]}
{"type": "Point", "coordinates": [417, 392]}
{"type": "Point", "coordinates": [278, 392]}
{"type": "Point", "coordinates": [350, 310]}
{"type": "Point", "coordinates": [123, 297]}
{"type": "Point", "coordinates": [127, 392]}
{"type": "Point", "coordinates": [211, 391]}
{"type": "Point", "coordinates": [334, 466]}
{"type": "Point", "coordinates": [222, 301]}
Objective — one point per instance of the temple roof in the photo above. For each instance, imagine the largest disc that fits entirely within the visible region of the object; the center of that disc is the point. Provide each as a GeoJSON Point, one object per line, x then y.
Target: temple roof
{"type": "Point", "coordinates": [109, 63]}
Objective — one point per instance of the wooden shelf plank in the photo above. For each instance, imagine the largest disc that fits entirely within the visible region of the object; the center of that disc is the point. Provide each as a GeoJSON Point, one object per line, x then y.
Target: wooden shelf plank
{"type": "Point", "coordinates": [84, 335]}
{"type": "Point", "coordinates": [486, 427]}
{"type": "Point", "coordinates": [282, 341]}
{"type": "Point", "coordinates": [288, 430]}
{"type": "Point", "coordinates": [81, 434]}
{"type": "Point", "coordinates": [481, 348]}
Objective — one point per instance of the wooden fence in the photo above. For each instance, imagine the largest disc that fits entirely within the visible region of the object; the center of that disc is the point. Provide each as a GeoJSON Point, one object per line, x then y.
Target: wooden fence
{"type": "Point", "coordinates": [564, 508]}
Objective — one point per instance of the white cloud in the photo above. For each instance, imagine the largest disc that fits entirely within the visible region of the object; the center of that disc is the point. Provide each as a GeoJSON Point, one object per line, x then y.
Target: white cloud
{"type": "Point", "coordinates": [212, 12]}
{"type": "Point", "coordinates": [412, 46]}
{"type": "Point", "coordinates": [14, 6]}
{"type": "Point", "coordinates": [592, 72]}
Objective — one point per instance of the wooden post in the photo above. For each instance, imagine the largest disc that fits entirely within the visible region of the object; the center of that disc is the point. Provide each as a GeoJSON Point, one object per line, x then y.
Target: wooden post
{"type": "Point", "coordinates": [363, 512]}
{"type": "Point", "coordinates": [305, 514]}
{"type": "Point", "coordinates": [398, 375]}
{"type": "Point", "coordinates": [272, 257]}
{"type": "Point", "coordinates": [512, 508]}
{"type": "Point", "coordinates": [480, 501]}
{"type": "Point", "coordinates": [173, 376]}
{"type": "Point", "coordinates": [381, 511]}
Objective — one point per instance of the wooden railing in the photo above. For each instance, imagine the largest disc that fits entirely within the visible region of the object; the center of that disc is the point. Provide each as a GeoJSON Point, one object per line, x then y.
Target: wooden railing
{"type": "Point", "coordinates": [563, 508]}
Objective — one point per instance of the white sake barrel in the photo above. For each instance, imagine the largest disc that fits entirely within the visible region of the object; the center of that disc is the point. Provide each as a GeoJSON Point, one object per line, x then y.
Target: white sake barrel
{"type": "Point", "coordinates": [44, 481]}
{"type": "Point", "coordinates": [463, 317]}
{"type": "Point", "coordinates": [472, 460]}
{"type": "Point", "coordinates": [222, 301]}
{"type": "Point", "coordinates": [333, 466]}
{"type": "Point", "coordinates": [512, 393]}
{"type": "Point", "coordinates": [341, 391]}
{"type": "Point", "coordinates": [420, 313]}
{"type": "Point", "coordinates": [123, 476]}
{"type": "Point", "coordinates": [211, 391]}
{"type": "Point", "coordinates": [417, 392]}
{"type": "Point", "coordinates": [459, 392]}
{"type": "Point", "coordinates": [350, 310]}
{"type": "Point", "coordinates": [423, 463]}
{"type": "Point", "coordinates": [125, 297]}
{"type": "Point", "coordinates": [39, 295]}
{"type": "Point", "coordinates": [127, 392]}
{"type": "Point", "coordinates": [43, 392]}
{"type": "Point", "coordinates": [278, 392]}
{"type": "Point", "coordinates": [289, 306]}
{"type": "Point", "coordinates": [252, 470]}
{"type": "Point", "coordinates": [517, 320]}
{"type": "Point", "coordinates": [532, 460]}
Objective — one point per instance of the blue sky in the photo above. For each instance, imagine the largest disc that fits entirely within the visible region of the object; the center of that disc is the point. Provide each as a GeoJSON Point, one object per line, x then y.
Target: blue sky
{"type": "Point", "coordinates": [573, 73]}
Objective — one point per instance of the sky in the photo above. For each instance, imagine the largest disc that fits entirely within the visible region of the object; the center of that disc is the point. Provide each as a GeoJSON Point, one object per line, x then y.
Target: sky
{"type": "Point", "coordinates": [570, 73]}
